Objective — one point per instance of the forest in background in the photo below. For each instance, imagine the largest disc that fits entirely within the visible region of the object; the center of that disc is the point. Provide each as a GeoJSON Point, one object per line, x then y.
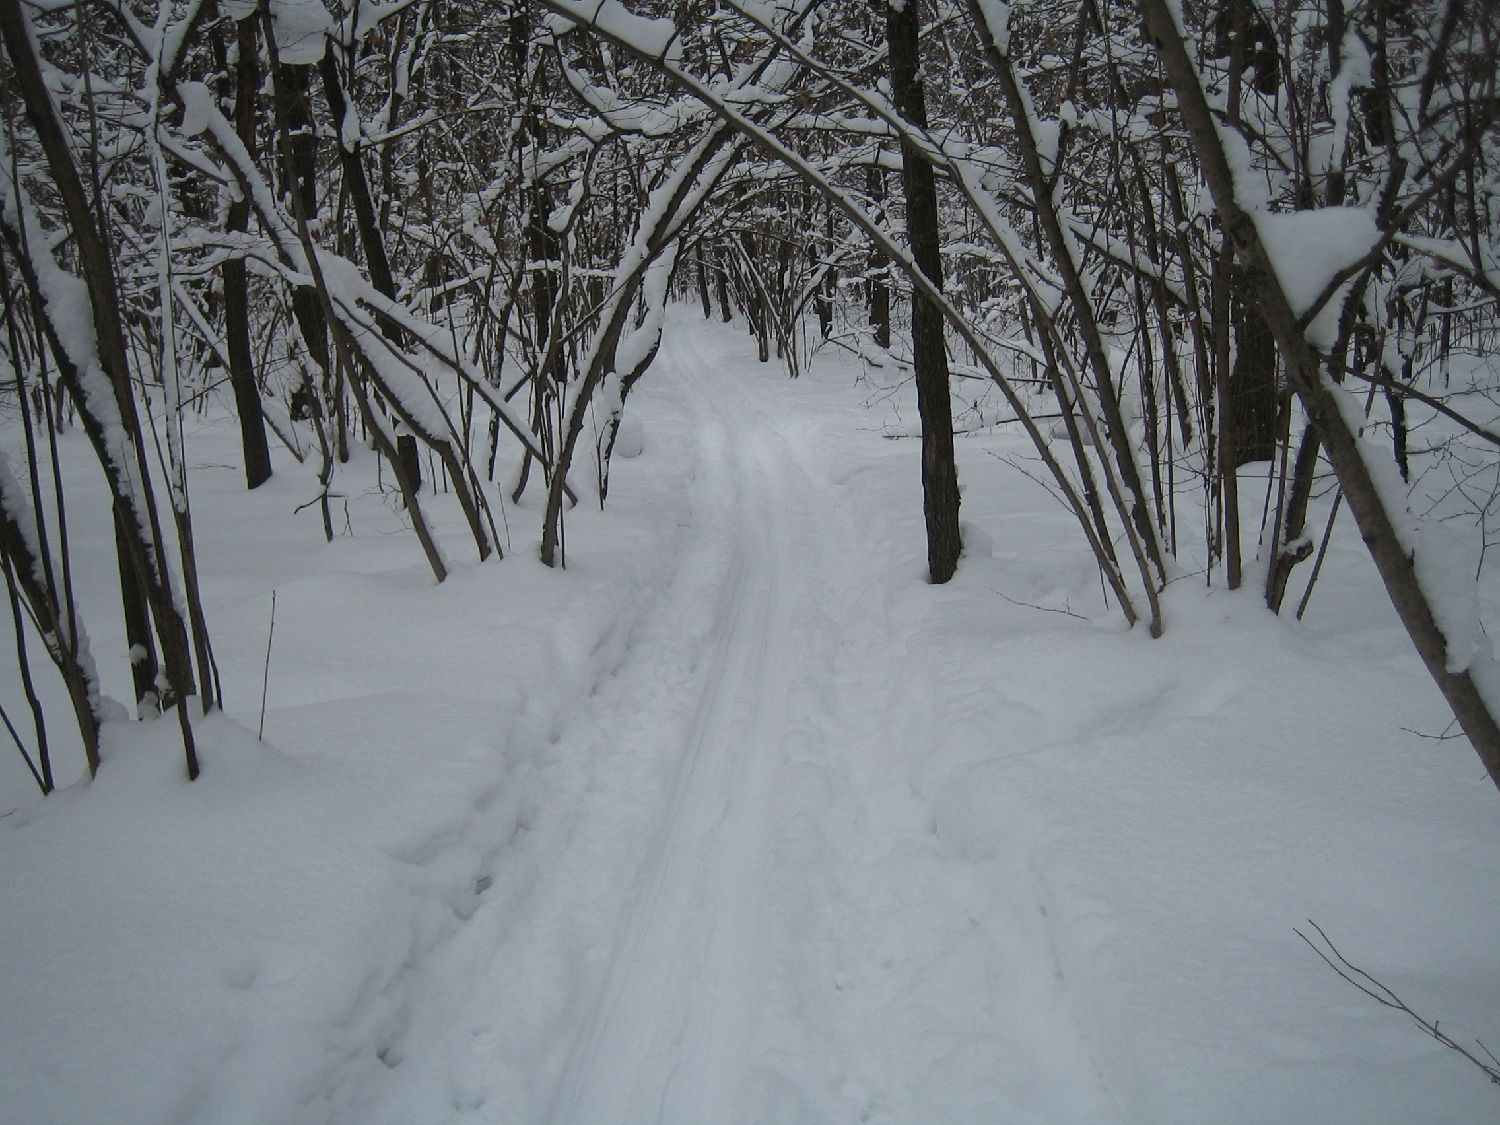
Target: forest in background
{"type": "Point", "coordinates": [1166, 241]}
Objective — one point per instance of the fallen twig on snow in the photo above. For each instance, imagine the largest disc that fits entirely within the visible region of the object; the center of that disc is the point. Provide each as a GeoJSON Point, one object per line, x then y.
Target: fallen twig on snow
{"type": "Point", "coordinates": [1384, 996]}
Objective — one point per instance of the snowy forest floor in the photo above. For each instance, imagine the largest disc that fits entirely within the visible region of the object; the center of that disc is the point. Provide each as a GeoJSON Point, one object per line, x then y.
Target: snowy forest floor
{"type": "Point", "coordinates": [738, 819]}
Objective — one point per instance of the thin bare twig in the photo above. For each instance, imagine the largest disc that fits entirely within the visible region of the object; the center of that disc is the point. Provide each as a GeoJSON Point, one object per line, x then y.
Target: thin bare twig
{"type": "Point", "coordinates": [1447, 734]}
{"type": "Point", "coordinates": [265, 678]}
{"type": "Point", "coordinates": [1032, 605]}
{"type": "Point", "coordinates": [1386, 998]}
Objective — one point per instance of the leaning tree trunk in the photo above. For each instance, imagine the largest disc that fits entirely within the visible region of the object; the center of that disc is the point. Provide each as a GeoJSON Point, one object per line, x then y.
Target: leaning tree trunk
{"type": "Point", "coordinates": [115, 441]}
{"type": "Point", "coordinates": [1318, 397]}
{"type": "Point", "coordinates": [929, 349]}
{"type": "Point", "coordinates": [460, 476]}
{"type": "Point", "coordinates": [1135, 507]}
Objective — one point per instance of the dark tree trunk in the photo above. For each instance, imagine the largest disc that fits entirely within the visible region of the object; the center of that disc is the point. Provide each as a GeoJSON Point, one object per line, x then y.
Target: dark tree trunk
{"type": "Point", "coordinates": [1390, 555]}
{"type": "Point", "coordinates": [141, 527]}
{"type": "Point", "coordinates": [242, 379]}
{"type": "Point", "coordinates": [138, 636]}
{"type": "Point", "coordinates": [411, 459]}
{"type": "Point", "coordinates": [299, 183]}
{"type": "Point", "coordinates": [780, 305]}
{"type": "Point", "coordinates": [755, 300]}
{"type": "Point", "coordinates": [827, 291]}
{"type": "Point", "coordinates": [1397, 405]}
{"type": "Point", "coordinates": [543, 244]}
{"type": "Point", "coordinates": [22, 576]}
{"type": "Point", "coordinates": [929, 350]}
{"type": "Point", "coordinates": [703, 294]}
{"type": "Point", "coordinates": [1293, 548]}
{"type": "Point", "coordinates": [1253, 401]}
{"type": "Point", "coordinates": [880, 293]}
{"type": "Point", "coordinates": [299, 179]}
{"type": "Point", "coordinates": [1227, 478]}
{"type": "Point", "coordinates": [726, 309]}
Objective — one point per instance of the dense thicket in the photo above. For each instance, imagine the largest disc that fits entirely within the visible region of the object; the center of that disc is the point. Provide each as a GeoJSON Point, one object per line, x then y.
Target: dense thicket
{"type": "Point", "coordinates": [1229, 264]}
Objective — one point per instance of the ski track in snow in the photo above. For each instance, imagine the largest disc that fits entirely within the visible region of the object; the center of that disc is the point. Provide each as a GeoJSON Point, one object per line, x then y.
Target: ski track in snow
{"type": "Point", "coordinates": [672, 1027]}
{"type": "Point", "coordinates": [790, 937]}
{"type": "Point", "coordinates": [726, 901]}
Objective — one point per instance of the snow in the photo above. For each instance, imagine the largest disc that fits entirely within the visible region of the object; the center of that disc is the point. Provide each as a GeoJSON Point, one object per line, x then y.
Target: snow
{"type": "Point", "coordinates": [70, 312]}
{"type": "Point", "coordinates": [1354, 73]}
{"type": "Point", "coordinates": [653, 37]}
{"type": "Point", "coordinates": [630, 441]}
{"type": "Point", "coordinates": [302, 27]}
{"type": "Point", "coordinates": [1307, 250]}
{"type": "Point", "coordinates": [740, 819]}
{"type": "Point", "coordinates": [637, 344]}
{"type": "Point", "coordinates": [996, 15]}
{"type": "Point", "coordinates": [1446, 564]}
{"type": "Point", "coordinates": [15, 510]}
{"type": "Point", "coordinates": [349, 130]}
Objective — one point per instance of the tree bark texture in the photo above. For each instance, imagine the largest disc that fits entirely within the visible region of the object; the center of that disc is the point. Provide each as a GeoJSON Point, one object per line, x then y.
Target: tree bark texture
{"type": "Point", "coordinates": [1252, 405]}
{"type": "Point", "coordinates": [879, 267]}
{"type": "Point", "coordinates": [940, 498]}
{"type": "Point", "coordinates": [242, 381]}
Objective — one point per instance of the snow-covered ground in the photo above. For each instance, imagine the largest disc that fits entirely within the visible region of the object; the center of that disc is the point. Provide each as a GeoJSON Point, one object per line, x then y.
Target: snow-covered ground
{"type": "Point", "coordinates": [740, 820]}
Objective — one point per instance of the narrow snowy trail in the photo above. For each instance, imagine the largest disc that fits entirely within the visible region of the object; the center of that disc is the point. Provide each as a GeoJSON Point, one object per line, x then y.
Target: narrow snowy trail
{"type": "Point", "coordinates": [670, 1035]}
{"type": "Point", "coordinates": [794, 942]}
{"type": "Point", "coordinates": [726, 898]}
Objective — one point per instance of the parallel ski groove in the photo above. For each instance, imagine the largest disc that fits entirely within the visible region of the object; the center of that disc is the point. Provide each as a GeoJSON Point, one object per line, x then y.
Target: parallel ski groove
{"type": "Point", "coordinates": [669, 1034]}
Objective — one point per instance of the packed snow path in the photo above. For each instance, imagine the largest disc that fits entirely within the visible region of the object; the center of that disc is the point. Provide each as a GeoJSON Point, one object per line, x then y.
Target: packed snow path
{"type": "Point", "coordinates": [764, 880]}
{"type": "Point", "coordinates": [670, 850]}
{"type": "Point", "coordinates": [671, 1033]}
{"type": "Point", "coordinates": [725, 902]}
